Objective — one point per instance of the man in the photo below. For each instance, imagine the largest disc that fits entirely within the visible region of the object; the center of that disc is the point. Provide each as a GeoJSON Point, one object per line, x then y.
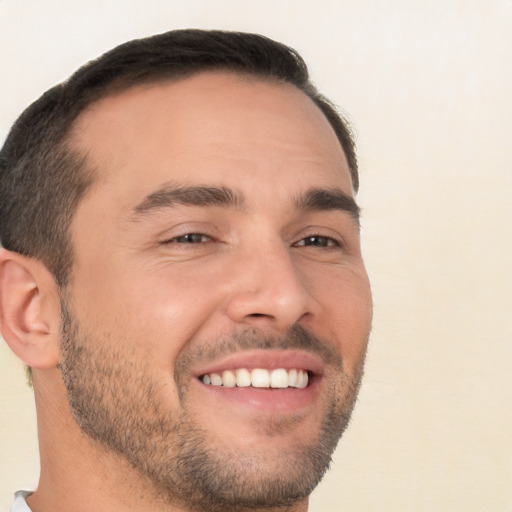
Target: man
{"type": "Point", "coordinates": [182, 275]}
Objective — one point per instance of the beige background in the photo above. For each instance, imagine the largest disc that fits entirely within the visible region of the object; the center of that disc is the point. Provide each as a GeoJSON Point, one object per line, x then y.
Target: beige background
{"type": "Point", "coordinates": [427, 85]}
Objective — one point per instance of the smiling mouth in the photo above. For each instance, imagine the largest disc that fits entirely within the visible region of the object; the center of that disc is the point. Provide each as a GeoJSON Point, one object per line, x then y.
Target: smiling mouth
{"type": "Point", "coordinates": [278, 378]}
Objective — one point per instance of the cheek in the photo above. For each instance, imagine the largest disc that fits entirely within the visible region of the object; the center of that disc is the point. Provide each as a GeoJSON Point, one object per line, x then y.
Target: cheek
{"type": "Point", "coordinates": [154, 312]}
{"type": "Point", "coordinates": [346, 312]}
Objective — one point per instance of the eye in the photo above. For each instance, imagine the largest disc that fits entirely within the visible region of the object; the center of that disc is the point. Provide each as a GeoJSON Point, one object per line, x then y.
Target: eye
{"type": "Point", "coordinates": [318, 241]}
{"type": "Point", "coordinates": [189, 238]}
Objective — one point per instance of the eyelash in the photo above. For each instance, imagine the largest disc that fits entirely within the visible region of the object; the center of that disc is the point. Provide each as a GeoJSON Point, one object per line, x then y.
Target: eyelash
{"type": "Point", "coordinates": [329, 241]}
{"type": "Point", "coordinates": [187, 239]}
{"type": "Point", "coordinates": [192, 239]}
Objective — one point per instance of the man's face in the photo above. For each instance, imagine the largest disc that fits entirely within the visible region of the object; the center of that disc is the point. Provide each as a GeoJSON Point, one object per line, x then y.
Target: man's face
{"type": "Point", "coordinates": [219, 239]}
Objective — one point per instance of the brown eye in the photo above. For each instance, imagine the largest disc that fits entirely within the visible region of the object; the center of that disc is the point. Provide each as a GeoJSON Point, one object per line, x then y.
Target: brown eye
{"type": "Point", "coordinates": [317, 241]}
{"type": "Point", "coordinates": [190, 238]}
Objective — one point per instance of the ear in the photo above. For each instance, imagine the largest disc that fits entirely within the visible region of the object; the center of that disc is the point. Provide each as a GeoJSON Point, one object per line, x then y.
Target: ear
{"type": "Point", "coordinates": [29, 309]}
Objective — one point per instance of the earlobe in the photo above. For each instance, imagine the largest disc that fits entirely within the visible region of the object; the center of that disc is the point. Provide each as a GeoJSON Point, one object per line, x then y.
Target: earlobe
{"type": "Point", "coordinates": [29, 310]}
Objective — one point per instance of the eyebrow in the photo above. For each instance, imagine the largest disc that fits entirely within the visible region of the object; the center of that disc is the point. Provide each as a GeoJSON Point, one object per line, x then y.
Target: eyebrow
{"type": "Point", "coordinates": [328, 199]}
{"type": "Point", "coordinates": [171, 195]}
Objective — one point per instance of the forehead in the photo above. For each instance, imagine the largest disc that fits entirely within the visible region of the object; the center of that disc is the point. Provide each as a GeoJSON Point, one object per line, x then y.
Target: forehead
{"type": "Point", "coordinates": [211, 127]}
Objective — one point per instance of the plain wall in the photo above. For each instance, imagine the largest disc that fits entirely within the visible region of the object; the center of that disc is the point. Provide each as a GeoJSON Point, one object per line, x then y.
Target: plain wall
{"type": "Point", "coordinates": [427, 85]}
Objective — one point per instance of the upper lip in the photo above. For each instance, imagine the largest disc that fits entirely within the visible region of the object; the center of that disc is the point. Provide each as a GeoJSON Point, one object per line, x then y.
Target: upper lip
{"type": "Point", "coordinates": [264, 358]}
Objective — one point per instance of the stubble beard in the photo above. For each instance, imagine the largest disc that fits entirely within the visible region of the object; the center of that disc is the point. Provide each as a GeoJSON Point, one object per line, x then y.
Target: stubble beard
{"type": "Point", "coordinates": [115, 402]}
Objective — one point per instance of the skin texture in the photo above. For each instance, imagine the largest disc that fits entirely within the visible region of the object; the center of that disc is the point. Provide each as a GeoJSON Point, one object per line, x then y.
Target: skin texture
{"type": "Point", "coordinates": [270, 279]}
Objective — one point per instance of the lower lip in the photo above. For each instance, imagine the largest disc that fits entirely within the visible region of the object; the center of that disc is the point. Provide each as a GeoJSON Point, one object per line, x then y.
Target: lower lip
{"type": "Point", "coordinates": [273, 401]}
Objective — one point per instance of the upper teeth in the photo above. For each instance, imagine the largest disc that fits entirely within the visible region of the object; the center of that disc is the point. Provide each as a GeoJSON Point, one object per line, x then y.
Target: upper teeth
{"type": "Point", "coordinates": [258, 378]}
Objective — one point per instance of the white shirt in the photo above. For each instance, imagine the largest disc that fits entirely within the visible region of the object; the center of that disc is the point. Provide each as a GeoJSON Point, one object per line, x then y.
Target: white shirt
{"type": "Point", "coordinates": [20, 505]}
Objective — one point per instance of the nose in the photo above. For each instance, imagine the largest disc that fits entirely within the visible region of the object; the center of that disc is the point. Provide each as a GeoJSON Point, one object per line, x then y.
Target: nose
{"type": "Point", "coordinates": [268, 291]}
